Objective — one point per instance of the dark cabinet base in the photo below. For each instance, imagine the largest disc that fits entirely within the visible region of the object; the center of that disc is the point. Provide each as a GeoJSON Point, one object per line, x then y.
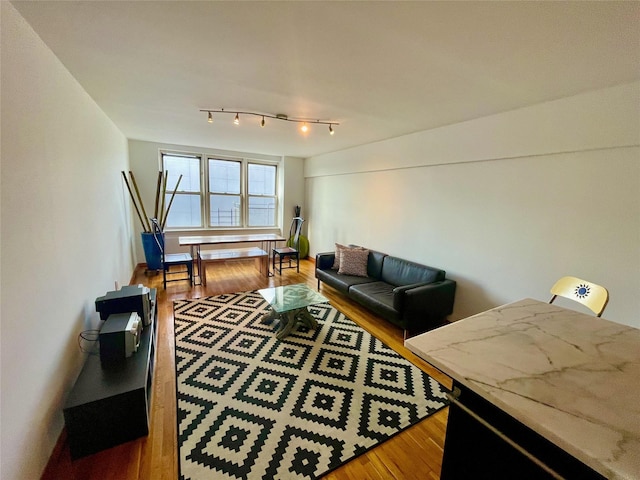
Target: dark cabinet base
{"type": "Point", "coordinates": [105, 423]}
{"type": "Point", "coordinates": [473, 450]}
{"type": "Point", "coordinates": [110, 404]}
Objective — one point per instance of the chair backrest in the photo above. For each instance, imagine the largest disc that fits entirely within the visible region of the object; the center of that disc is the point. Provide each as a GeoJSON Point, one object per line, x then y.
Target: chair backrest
{"type": "Point", "coordinates": [158, 236]}
{"type": "Point", "coordinates": [593, 296]}
{"type": "Point", "coordinates": [296, 224]}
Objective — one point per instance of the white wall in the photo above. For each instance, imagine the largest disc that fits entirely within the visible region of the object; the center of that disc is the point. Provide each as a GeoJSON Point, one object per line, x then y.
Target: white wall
{"type": "Point", "coordinates": [505, 204]}
{"type": "Point", "coordinates": [65, 238]}
{"type": "Point", "coordinates": [293, 194]}
{"type": "Point", "coordinates": [145, 164]}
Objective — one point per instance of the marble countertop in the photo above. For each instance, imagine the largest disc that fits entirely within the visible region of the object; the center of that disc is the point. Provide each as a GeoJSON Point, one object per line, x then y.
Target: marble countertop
{"type": "Point", "coordinates": [571, 377]}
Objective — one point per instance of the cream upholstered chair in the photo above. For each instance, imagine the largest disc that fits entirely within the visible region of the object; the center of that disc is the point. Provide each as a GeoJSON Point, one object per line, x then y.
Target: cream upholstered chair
{"type": "Point", "coordinates": [593, 296]}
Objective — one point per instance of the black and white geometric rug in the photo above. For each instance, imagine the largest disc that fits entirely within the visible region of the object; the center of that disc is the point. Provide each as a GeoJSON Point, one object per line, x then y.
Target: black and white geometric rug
{"type": "Point", "coordinates": [254, 407]}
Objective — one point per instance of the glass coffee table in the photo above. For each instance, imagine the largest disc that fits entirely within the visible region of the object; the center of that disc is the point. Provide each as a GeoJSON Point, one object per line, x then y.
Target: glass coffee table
{"type": "Point", "coordinates": [289, 305]}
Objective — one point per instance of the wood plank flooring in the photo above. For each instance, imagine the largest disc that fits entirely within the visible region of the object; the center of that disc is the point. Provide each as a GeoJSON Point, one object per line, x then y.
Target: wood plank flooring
{"type": "Point", "coordinates": [415, 453]}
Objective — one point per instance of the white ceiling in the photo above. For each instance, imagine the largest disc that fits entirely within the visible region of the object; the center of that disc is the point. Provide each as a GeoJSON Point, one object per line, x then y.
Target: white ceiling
{"type": "Point", "coordinates": [380, 69]}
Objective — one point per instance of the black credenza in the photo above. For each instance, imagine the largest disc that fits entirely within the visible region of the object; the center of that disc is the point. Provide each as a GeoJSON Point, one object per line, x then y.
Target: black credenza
{"type": "Point", "coordinates": [110, 405]}
{"type": "Point", "coordinates": [485, 443]}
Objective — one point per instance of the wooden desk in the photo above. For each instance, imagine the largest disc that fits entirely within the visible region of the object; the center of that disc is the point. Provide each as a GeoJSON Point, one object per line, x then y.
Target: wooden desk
{"type": "Point", "coordinates": [542, 373]}
{"type": "Point", "coordinates": [266, 240]}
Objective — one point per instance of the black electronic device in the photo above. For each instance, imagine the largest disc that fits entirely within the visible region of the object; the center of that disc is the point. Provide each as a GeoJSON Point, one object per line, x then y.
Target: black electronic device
{"type": "Point", "coordinates": [119, 337]}
{"type": "Point", "coordinates": [132, 298]}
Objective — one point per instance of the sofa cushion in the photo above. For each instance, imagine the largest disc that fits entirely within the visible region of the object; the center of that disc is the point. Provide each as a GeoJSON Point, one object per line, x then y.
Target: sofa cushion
{"type": "Point", "coordinates": [374, 265]}
{"type": "Point", "coordinates": [353, 261]}
{"type": "Point", "coordinates": [397, 271]}
{"type": "Point", "coordinates": [340, 282]}
{"type": "Point", "coordinates": [378, 296]}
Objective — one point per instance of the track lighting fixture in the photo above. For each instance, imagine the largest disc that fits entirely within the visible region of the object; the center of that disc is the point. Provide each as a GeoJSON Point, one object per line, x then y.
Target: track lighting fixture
{"type": "Point", "coordinates": [305, 123]}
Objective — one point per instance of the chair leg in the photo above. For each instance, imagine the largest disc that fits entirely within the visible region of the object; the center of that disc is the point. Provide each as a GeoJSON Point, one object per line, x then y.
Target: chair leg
{"type": "Point", "coordinates": [164, 276]}
{"type": "Point", "coordinates": [298, 262]}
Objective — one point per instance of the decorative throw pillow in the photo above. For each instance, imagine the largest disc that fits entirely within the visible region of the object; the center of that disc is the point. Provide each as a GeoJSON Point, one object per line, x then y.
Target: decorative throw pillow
{"type": "Point", "coordinates": [353, 261]}
{"type": "Point", "coordinates": [336, 259]}
{"type": "Point", "coordinates": [339, 248]}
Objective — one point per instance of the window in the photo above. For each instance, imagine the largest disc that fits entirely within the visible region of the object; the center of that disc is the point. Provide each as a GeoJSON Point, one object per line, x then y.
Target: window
{"type": "Point", "coordinates": [186, 207]}
{"type": "Point", "coordinates": [225, 201]}
{"type": "Point", "coordinates": [237, 193]}
{"type": "Point", "coordinates": [262, 195]}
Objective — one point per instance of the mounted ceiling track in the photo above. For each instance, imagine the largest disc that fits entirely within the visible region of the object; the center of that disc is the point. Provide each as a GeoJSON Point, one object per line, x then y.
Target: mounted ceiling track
{"type": "Point", "coordinates": [304, 122]}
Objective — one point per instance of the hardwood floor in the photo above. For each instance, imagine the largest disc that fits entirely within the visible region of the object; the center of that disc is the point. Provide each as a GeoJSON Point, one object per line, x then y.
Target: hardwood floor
{"type": "Point", "coordinates": [416, 453]}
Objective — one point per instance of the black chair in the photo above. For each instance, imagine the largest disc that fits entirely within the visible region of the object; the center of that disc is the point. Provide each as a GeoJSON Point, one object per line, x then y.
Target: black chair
{"type": "Point", "coordinates": [169, 260]}
{"type": "Point", "coordinates": [292, 250]}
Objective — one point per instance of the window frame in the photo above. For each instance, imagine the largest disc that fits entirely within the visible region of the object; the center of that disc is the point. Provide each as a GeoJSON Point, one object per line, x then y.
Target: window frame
{"type": "Point", "coordinates": [205, 190]}
{"type": "Point", "coordinates": [209, 193]}
{"type": "Point", "coordinates": [248, 195]}
{"type": "Point", "coordinates": [181, 192]}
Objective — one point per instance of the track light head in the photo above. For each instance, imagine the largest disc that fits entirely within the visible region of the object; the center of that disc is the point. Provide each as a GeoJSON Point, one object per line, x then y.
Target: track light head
{"type": "Point", "coordinates": [331, 132]}
{"type": "Point", "coordinates": [210, 119]}
{"type": "Point", "coordinates": [236, 121]}
{"type": "Point", "coordinates": [304, 127]}
{"type": "Point", "coordinates": [262, 122]}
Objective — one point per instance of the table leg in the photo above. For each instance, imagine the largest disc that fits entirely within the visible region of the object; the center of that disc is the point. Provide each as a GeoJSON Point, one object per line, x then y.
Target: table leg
{"type": "Point", "coordinates": [266, 244]}
{"type": "Point", "coordinates": [271, 261]}
{"type": "Point", "coordinates": [268, 317]}
{"type": "Point", "coordinates": [304, 316]}
{"type": "Point", "coordinates": [269, 253]}
{"type": "Point", "coordinates": [287, 322]}
{"type": "Point", "coordinates": [194, 250]}
{"type": "Point", "coordinates": [199, 263]}
{"type": "Point", "coordinates": [202, 272]}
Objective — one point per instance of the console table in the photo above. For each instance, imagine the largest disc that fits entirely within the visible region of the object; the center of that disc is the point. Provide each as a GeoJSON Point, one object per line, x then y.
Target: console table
{"type": "Point", "coordinates": [540, 391]}
{"type": "Point", "coordinates": [109, 406]}
{"type": "Point", "coordinates": [195, 242]}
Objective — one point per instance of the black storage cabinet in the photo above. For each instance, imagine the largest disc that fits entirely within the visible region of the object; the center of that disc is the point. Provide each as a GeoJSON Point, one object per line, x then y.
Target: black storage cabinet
{"type": "Point", "coordinates": [110, 404]}
{"type": "Point", "coordinates": [473, 451]}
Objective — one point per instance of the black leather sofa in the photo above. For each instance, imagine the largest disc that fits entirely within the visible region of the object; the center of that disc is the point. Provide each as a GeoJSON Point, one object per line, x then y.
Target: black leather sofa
{"type": "Point", "coordinates": [415, 297]}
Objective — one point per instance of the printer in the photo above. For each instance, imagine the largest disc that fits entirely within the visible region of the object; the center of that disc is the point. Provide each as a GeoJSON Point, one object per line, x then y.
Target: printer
{"type": "Point", "coordinates": [132, 298]}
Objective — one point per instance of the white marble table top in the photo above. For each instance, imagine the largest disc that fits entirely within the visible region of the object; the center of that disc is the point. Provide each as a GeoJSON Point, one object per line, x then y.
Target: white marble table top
{"type": "Point", "coordinates": [571, 377]}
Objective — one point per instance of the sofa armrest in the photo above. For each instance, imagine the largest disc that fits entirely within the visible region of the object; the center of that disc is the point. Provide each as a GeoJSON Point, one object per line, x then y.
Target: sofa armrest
{"type": "Point", "coordinates": [428, 303]}
{"type": "Point", "coordinates": [399, 294]}
{"type": "Point", "coordinates": [324, 261]}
